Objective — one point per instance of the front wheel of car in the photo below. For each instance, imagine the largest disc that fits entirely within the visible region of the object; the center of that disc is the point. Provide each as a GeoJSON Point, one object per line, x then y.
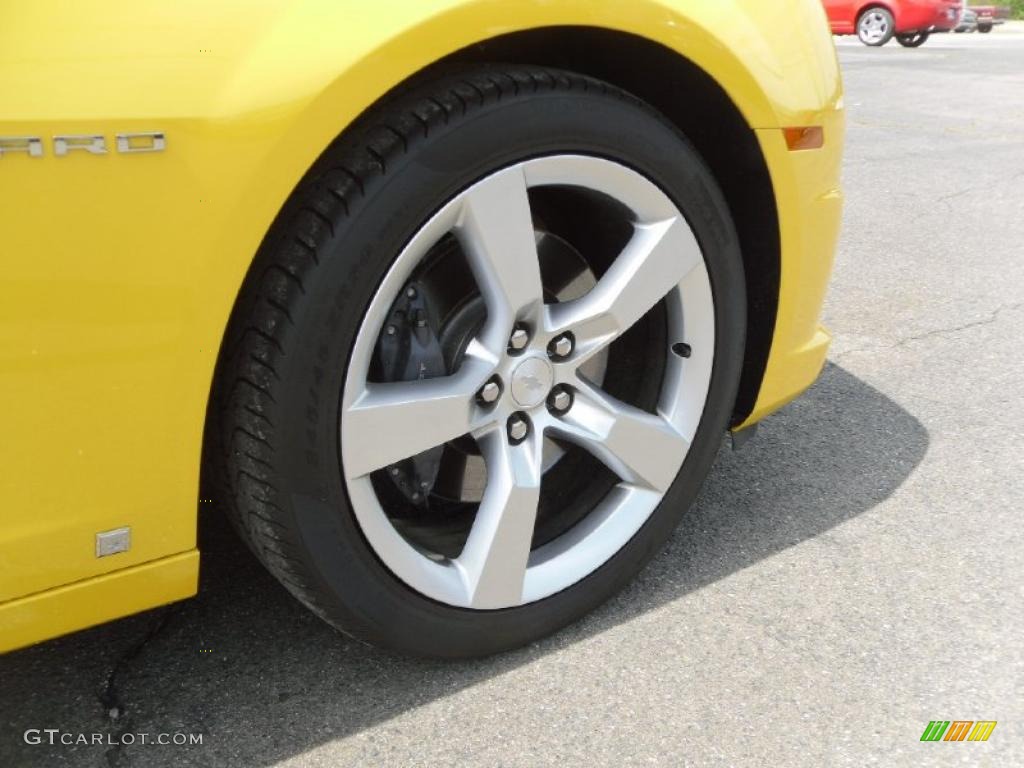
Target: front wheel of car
{"type": "Point", "coordinates": [984, 28]}
{"type": "Point", "coordinates": [483, 361]}
{"type": "Point", "coordinates": [875, 26]}
{"type": "Point", "coordinates": [912, 39]}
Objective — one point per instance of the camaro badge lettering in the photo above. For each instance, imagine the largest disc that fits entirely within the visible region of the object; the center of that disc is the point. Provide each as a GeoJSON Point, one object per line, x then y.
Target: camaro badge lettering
{"type": "Point", "coordinates": [93, 144]}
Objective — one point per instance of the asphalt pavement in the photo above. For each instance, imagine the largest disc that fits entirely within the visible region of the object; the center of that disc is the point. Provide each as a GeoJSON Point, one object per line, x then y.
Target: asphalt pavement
{"type": "Point", "coordinates": [851, 575]}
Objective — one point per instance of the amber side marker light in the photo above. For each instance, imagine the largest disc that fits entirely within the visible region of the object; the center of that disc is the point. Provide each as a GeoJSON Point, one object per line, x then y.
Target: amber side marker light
{"type": "Point", "coordinates": [804, 138]}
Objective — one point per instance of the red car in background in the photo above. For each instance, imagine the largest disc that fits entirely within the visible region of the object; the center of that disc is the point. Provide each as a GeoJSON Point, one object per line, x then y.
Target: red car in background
{"type": "Point", "coordinates": [990, 15]}
{"type": "Point", "coordinates": [875, 22]}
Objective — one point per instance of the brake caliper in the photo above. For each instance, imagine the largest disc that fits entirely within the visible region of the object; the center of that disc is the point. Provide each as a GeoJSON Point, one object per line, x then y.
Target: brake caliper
{"type": "Point", "coordinates": [409, 349]}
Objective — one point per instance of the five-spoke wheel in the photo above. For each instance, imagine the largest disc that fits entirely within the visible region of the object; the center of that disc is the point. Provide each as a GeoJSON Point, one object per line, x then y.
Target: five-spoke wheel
{"type": "Point", "coordinates": [520, 381]}
{"type": "Point", "coordinates": [875, 26]}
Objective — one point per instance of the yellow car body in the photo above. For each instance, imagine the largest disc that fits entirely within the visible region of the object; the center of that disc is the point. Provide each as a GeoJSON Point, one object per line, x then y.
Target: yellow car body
{"type": "Point", "coordinates": [120, 270]}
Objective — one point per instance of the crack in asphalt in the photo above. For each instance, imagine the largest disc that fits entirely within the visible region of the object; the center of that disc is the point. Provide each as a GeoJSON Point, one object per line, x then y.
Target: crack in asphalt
{"type": "Point", "coordinates": [954, 195]}
{"type": "Point", "coordinates": [931, 332]}
{"type": "Point", "coordinates": [110, 697]}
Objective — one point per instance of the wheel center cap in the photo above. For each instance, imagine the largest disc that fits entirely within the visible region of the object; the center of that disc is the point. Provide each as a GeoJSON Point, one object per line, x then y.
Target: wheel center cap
{"type": "Point", "coordinates": [532, 379]}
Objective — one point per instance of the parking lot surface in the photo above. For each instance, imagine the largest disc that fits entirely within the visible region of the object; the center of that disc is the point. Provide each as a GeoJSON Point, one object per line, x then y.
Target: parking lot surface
{"type": "Point", "coordinates": [854, 573]}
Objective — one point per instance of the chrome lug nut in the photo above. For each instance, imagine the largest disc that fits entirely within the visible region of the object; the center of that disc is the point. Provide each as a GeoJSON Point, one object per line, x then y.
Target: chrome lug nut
{"type": "Point", "coordinates": [490, 391]}
{"type": "Point", "coordinates": [560, 400]}
{"type": "Point", "coordinates": [518, 428]}
{"type": "Point", "coordinates": [518, 340]}
{"type": "Point", "coordinates": [561, 347]}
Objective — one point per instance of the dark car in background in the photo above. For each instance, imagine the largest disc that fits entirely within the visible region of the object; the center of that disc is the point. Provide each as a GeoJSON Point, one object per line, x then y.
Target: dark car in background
{"type": "Point", "coordinates": [968, 21]}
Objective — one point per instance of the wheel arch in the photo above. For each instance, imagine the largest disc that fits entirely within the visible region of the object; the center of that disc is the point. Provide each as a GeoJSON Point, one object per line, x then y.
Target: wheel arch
{"type": "Point", "coordinates": [874, 4]}
{"type": "Point", "coordinates": [688, 96]}
{"type": "Point", "coordinates": [713, 80]}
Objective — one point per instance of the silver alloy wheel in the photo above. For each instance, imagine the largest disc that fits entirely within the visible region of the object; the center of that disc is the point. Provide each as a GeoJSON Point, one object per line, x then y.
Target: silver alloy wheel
{"type": "Point", "coordinates": [383, 423]}
{"type": "Point", "coordinates": [872, 27]}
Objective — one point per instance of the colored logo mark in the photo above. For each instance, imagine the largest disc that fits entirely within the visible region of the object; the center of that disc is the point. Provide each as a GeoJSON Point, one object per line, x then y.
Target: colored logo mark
{"type": "Point", "coordinates": [958, 730]}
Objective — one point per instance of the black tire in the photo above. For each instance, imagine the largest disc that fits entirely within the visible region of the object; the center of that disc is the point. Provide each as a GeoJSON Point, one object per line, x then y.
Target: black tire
{"type": "Point", "coordinates": [890, 24]}
{"type": "Point", "coordinates": [912, 39]}
{"type": "Point", "coordinates": [273, 426]}
{"type": "Point", "coordinates": [984, 28]}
